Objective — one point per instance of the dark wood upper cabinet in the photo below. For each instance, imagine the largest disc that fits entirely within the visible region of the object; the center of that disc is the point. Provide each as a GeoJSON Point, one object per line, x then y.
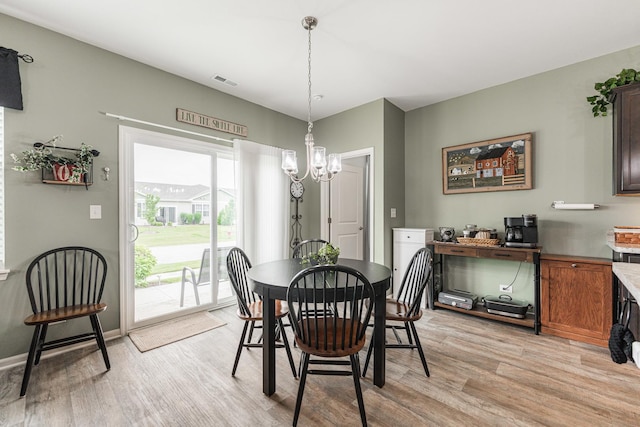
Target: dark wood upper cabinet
{"type": "Point", "coordinates": [626, 140]}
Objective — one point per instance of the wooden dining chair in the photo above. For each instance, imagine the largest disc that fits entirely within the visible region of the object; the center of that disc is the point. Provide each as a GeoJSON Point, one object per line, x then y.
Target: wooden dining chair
{"type": "Point", "coordinates": [307, 246]}
{"type": "Point", "coordinates": [299, 251]}
{"type": "Point", "coordinates": [64, 284]}
{"type": "Point", "coordinates": [402, 312]}
{"type": "Point", "coordinates": [330, 337]}
{"type": "Point", "coordinates": [250, 307]}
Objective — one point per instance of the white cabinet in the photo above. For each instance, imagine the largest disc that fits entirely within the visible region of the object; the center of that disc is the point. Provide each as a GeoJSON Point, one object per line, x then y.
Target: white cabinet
{"type": "Point", "coordinates": [406, 242]}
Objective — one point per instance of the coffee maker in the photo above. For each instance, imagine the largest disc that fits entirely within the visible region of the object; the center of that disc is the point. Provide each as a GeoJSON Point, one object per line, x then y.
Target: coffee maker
{"type": "Point", "coordinates": [521, 232]}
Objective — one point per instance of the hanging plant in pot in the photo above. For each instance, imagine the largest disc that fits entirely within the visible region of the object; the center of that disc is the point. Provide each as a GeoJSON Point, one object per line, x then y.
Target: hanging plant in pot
{"type": "Point", "coordinates": [67, 169]}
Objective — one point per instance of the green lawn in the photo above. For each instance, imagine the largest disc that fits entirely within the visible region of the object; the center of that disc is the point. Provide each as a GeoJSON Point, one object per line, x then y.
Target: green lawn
{"type": "Point", "coordinates": [151, 236]}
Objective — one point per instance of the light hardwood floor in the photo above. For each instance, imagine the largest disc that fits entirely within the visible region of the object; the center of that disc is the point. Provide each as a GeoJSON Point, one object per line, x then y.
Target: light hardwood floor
{"type": "Point", "coordinates": [482, 373]}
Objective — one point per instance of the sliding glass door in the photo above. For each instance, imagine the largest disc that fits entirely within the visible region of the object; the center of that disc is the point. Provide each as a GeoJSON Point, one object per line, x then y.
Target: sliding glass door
{"type": "Point", "coordinates": [177, 224]}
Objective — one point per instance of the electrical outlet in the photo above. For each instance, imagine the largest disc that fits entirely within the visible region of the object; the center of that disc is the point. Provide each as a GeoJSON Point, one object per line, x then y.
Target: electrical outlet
{"type": "Point", "coordinates": [506, 288]}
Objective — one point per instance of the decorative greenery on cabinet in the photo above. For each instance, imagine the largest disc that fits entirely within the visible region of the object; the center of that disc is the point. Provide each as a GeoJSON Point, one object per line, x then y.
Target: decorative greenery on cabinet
{"type": "Point", "coordinates": [601, 101]}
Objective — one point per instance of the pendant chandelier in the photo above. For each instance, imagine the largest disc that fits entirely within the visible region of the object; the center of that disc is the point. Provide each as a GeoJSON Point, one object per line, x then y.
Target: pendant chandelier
{"type": "Point", "coordinates": [319, 166]}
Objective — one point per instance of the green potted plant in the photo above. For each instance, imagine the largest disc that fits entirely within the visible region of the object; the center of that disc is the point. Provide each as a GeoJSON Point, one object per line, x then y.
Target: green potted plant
{"type": "Point", "coordinates": [43, 157]}
{"type": "Point", "coordinates": [601, 101]}
{"type": "Point", "coordinates": [327, 254]}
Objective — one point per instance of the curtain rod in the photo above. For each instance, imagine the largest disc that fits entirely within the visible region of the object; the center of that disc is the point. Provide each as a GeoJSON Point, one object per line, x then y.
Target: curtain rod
{"type": "Point", "coordinates": [129, 119]}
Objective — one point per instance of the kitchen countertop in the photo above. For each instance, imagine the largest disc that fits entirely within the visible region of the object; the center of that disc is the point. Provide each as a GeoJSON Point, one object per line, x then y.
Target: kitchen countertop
{"type": "Point", "coordinates": [627, 249]}
{"type": "Point", "coordinates": [629, 276]}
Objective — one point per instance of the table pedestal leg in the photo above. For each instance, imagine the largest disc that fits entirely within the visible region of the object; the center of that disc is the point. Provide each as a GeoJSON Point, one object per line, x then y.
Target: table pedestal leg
{"type": "Point", "coordinates": [379, 323]}
{"type": "Point", "coordinates": [268, 345]}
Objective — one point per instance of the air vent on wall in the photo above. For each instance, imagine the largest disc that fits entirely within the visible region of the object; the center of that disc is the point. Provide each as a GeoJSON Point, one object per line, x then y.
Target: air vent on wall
{"type": "Point", "coordinates": [221, 79]}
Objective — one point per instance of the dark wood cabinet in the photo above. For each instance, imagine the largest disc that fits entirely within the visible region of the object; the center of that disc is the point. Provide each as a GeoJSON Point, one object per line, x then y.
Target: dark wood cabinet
{"type": "Point", "coordinates": [576, 298]}
{"type": "Point", "coordinates": [626, 140]}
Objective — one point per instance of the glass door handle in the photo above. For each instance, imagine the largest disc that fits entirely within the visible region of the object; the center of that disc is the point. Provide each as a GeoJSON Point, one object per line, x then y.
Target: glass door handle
{"type": "Point", "coordinates": [137, 233]}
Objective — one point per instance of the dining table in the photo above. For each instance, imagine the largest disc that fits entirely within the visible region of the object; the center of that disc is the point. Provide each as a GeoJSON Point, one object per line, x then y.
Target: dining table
{"type": "Point", "coordinates": [271, 281]}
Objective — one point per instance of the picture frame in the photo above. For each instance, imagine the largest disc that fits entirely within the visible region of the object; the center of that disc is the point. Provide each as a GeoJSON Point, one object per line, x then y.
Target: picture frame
{"type": "Point", "coordinates": [500, 164]}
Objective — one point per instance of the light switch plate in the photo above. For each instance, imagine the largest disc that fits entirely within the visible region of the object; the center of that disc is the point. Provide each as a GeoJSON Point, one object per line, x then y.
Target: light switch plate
{"type": "Point", "coordinates": [95, 211]}
{"type": "Point", "coordinates": [393, 212]}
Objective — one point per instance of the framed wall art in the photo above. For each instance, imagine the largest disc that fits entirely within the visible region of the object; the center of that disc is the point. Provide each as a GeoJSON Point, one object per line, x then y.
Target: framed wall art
{"type": "Point", "coordinates": [500, 164]}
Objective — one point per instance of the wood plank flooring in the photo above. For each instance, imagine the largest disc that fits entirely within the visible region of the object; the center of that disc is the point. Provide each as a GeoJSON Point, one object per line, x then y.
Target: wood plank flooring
{"type": "Point", "coordinates": [482, 373]}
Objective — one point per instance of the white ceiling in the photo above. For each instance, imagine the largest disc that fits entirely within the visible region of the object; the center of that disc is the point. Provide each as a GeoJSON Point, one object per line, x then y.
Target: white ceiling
{"type": "Point", "coordinates": [412, 52]}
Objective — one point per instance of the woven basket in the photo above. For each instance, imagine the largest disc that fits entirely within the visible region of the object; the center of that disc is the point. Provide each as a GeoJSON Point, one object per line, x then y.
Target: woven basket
{"type": "Point", "coordinates": [478, 242]}
{"type": "Point", "coordinates": [627, 234]}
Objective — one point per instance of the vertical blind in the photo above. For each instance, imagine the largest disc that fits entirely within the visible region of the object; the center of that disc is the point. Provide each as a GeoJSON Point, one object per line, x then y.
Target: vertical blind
{"type": "Point", "coordinates": [2, 168]}
{"type": "Point", "coordinates": [262, 202]}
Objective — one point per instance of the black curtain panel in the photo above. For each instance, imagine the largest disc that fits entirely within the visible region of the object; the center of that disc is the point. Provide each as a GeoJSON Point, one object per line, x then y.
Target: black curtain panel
{"type": "Point", "coordinates": [10, 85]}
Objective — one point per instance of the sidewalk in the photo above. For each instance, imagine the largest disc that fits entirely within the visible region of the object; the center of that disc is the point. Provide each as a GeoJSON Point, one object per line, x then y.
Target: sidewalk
{"type": "Point", "coordinates": [178, 253]}
{"type": "Point", "coordinates": [158, 300]}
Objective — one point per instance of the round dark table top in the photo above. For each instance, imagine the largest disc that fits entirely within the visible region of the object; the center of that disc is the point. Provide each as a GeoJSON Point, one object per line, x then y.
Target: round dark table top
{"type": "Point", "coordinates": [276, 275]}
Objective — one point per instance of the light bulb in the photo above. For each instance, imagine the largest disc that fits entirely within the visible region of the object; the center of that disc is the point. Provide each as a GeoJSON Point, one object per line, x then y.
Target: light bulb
{"type": "Point", "coordinates": [335, 163]}
{"type": "Point", "coordinates": [289, 161]}
{"type": "Point", "coordinates": [318, 159]}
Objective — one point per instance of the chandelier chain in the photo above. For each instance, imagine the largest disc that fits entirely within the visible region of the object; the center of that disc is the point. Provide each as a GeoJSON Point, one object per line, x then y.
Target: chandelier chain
{"type": "Point", "coordinates": [310, 124]}
{"type": "Point", "coordinates": [319, 167]}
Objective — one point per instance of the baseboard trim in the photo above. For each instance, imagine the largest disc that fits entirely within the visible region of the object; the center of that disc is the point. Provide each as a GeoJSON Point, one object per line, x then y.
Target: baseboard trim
{"type": "Point", "coordinates": [21, 359]}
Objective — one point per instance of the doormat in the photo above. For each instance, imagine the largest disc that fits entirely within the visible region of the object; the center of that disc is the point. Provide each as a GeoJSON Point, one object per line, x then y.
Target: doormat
{"type": "Point", "coordinates": [173, 330]}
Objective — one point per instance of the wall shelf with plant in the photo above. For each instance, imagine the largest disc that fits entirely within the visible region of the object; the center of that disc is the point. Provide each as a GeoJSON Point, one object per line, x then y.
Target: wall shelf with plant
{"type": "Point", "coordinates": [56, 168]}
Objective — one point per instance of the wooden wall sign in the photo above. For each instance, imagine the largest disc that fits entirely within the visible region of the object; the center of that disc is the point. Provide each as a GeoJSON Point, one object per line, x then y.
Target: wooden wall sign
{"type": "Point", "coordinates": [197, 119]}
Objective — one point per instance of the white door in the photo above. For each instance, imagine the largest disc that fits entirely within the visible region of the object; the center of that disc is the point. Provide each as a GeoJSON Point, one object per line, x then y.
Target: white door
{"type": "Point", "coordinates": [346, 207]}
{"type": "Point", "coordinates": [174, 229]}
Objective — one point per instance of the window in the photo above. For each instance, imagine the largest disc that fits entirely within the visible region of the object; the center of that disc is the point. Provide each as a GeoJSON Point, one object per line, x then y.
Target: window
{"type": "Point", "coordinates": [202, 208]}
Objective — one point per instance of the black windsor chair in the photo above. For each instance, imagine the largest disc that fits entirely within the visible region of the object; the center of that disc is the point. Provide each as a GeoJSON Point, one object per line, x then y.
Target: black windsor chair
{"type": "Point", "coordinates": [328, 337]}
{"type": "Point", "coordinates": [306, 247]}
{"type": "Point", "coordinates": [250, 307]}
{"type": "Point", "coordinates": [64, 284]}
{"type": "Point", "coordinates": [406, 308]}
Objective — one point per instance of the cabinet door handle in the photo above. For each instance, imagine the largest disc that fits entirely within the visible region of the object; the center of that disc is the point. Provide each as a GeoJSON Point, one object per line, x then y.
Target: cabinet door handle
{"type": "Point", "coordinates": [503, 255]}
{"type": "Point", "coordinates": [458, 251]}
{"type": "Point", "coordinates": [574, 265]}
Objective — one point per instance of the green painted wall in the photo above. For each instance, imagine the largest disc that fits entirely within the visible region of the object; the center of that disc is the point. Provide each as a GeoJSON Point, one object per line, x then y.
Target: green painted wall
{"type": "Point", "coordinates": [394, 165]}
{"type": "Point", "coordinates": [380, 125]}
{"type": "Point", "coordinates": [355, 129]}
{"type": "Point", "coordinates": [64, 90]}
{"type": "Point", "coordinates": [572, 161]}
{"type": "Point", "coordinates": [70, 82]}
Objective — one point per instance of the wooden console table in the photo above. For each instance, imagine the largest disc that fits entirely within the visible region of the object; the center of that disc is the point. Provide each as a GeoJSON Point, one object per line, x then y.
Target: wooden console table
{"type": "Point", "coordinates": [530, 255]}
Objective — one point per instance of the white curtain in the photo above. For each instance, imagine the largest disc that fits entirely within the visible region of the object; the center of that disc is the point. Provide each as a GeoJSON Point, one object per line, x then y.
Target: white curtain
{"type": "Point", "coordinates": [263, 202]}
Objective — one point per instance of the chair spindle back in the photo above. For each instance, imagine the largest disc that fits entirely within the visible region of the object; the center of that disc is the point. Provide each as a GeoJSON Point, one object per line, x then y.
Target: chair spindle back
{"type": "Point", "coordinates": [317, 291]}
{"type": "Point", "coordinates": [415, 280]}
{"type": "Point", "coordinates": [238, 265]}
{"type": "Point", "coordinates": [307, 246]}
{"type": "Point", "coordinates": [65, 277]}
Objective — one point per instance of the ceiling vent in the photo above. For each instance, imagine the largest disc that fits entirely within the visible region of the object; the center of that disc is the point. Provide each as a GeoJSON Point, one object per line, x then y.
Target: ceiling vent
{"type": "Point", "coordinates": [221, 79]}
